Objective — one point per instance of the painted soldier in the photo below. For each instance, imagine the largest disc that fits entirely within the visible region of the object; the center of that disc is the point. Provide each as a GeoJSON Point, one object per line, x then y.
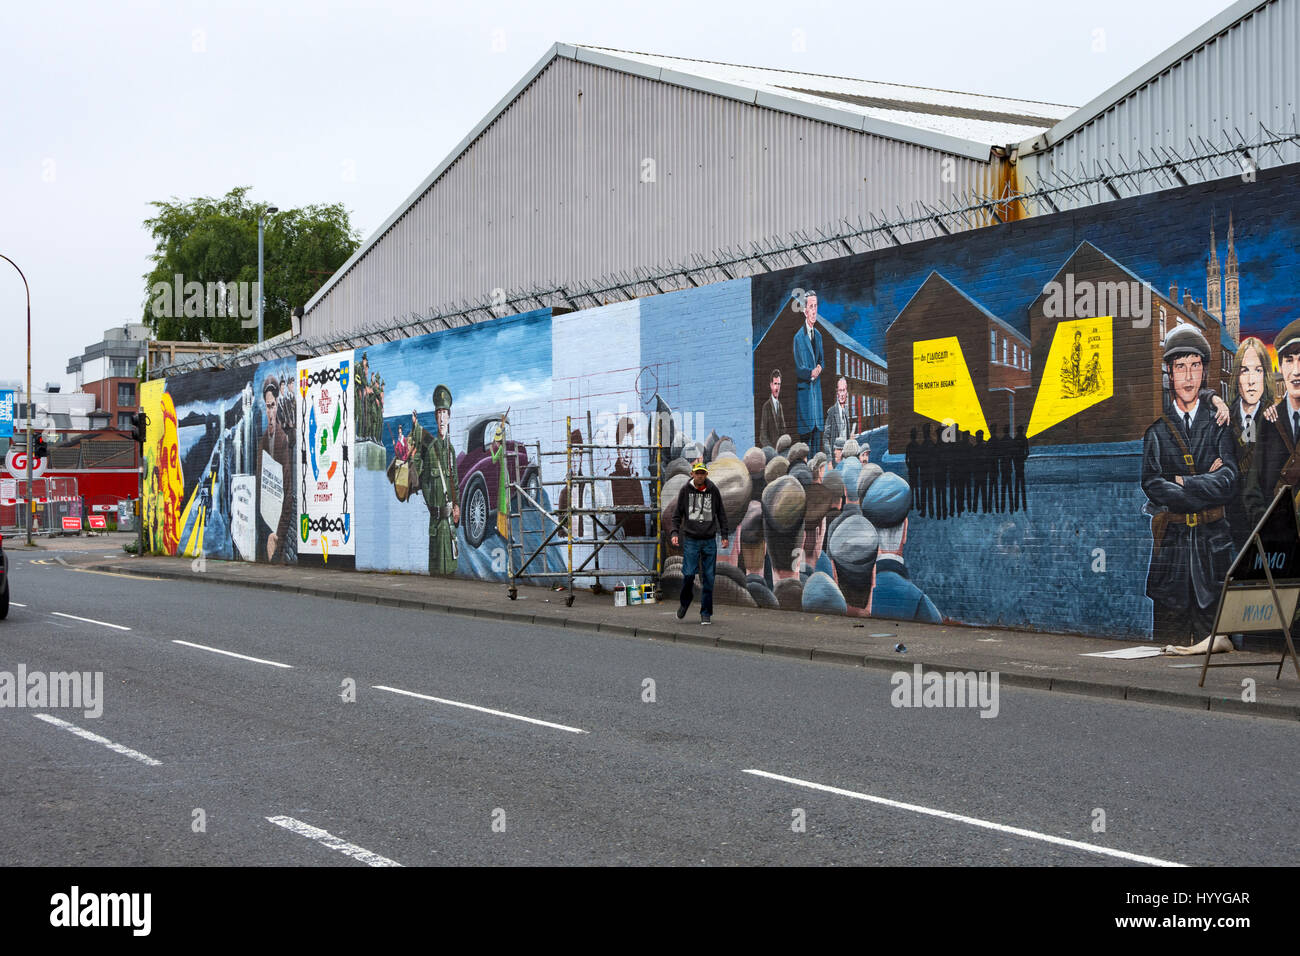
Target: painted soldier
{"type": "Point", "coordinates": [362, 393]}
{"type": "Point", "coordinates": [436, 460]}
{"type": "Point", "coordinates": [1189, 473]}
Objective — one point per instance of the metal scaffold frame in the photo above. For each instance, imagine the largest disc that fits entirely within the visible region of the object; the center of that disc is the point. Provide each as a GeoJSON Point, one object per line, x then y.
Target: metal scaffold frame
{"type": "Point", "coordinates": [602, 536]}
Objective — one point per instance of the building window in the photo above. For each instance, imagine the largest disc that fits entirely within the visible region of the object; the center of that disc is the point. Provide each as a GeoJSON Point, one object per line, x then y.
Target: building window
{"type": "Point", "coordinates": [125, 393]}
{"type": "Point", "coordinates": [1163, 315]}
{"type": "Point", "coordinates": [124, 421]}
{"type": "Point", "coordinates": [993, 345]}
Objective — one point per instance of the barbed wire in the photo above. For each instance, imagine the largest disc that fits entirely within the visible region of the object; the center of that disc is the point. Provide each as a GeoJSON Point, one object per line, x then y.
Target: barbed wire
{"type": "Point", "coordinates": [1056, 190]}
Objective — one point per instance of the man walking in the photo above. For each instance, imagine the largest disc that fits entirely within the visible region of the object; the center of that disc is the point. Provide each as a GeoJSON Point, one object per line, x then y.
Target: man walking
{"type": "Point", "coordinates": [699, 518]}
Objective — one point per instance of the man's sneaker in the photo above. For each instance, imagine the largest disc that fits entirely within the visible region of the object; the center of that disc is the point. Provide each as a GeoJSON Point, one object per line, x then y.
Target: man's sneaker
{"type": "Point", "coordinates": [681, 611]}
{"type": "Point", "coordinates": [706, 618]}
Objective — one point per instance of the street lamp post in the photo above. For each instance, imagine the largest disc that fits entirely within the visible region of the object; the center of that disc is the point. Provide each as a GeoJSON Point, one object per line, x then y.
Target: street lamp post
{"type": "Point", "coordinates": [261, 295]}
{"type": "Point", "coordinates": [29, 396]}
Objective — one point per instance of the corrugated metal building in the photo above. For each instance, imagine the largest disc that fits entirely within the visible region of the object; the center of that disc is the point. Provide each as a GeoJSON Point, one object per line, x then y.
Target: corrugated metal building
{"type": "Point", "coordinates": [1235, 73]}
{"type": "Point", "coordinates": [600, 161]}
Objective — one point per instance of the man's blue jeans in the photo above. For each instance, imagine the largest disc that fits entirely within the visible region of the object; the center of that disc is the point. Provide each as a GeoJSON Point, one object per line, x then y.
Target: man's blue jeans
{"type": "Point", "coordinates": [699, 556]}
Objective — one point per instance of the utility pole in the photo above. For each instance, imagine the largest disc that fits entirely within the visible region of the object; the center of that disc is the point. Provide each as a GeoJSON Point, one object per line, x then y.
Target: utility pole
{"type": "Point", "coordinates": [29, 396]}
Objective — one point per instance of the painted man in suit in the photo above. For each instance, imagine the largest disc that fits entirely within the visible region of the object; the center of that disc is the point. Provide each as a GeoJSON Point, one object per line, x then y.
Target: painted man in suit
{"type": "Point", "coordinates": [808, 361]}
{"type": "Point", "coordinates": [1189, 473]}
{"type": "Point", "coordinates": [772, 422]}
{"type": "Point", "coordinates": [839, 418]}
{"type": "Point", "coordinates": [1278, 458]}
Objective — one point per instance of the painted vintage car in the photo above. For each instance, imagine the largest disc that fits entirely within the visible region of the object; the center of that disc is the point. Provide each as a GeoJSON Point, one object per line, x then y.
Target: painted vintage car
{"type": "Point", "coordinates": [479, 476]}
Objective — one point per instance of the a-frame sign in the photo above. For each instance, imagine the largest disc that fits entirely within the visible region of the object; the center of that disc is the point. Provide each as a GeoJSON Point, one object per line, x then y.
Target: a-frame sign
{"type": "Point", "coordinates": [1262, 587]}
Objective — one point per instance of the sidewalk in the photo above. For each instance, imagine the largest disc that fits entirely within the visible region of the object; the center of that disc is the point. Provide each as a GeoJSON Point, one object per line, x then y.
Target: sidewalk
{"type": "Point", "coordinates": [1022, 658]}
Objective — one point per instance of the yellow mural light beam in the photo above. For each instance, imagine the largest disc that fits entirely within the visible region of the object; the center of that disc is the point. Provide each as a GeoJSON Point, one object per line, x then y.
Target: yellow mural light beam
{"type": "Point", "coordinates": [1079, 372]}
{"type": "Point", "coordinates": [941, 385]}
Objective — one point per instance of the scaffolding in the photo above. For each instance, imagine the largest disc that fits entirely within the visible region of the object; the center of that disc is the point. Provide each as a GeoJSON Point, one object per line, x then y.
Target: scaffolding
{"type": "Point", "coordinates": [572, 522]}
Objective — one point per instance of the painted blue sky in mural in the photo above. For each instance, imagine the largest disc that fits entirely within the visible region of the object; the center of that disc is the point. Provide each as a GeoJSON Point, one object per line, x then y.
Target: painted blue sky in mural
{"type": "Point", "coordinates": [1164, 238]}
{"type": "Point", "coordinates": [512, 370]}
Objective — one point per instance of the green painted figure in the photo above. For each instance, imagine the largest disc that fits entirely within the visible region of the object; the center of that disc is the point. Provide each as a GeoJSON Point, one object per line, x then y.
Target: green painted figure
{"type": "Point", "coordinates": [362, 398]}
{"type": "Point", "coordinates": [437, 464]}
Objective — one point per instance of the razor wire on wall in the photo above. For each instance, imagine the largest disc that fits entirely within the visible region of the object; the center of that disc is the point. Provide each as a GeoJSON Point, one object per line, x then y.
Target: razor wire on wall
{"type": "Point", "coordinates": [1055, 190]}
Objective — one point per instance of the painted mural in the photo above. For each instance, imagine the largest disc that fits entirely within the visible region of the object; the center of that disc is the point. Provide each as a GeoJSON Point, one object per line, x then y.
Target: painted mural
{"type": "Point", "coordinates": [1067, 423]}
{"type": "Point", "coordinates": [219, 463]}
{"type": "Point", "coordinates": [327, 399]}
{"type": "Point", "coordinates": [1070, 408]}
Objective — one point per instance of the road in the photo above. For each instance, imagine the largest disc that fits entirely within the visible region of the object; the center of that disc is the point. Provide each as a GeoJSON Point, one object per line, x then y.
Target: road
{"type": "Point", "coordinates": [473, 741]}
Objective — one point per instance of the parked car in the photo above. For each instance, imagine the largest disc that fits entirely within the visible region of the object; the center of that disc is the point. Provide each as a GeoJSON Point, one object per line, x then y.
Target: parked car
{"type": "Point", "coordinates": [4, 581]}
{"type": "Point", "coordinates": [479, 476]}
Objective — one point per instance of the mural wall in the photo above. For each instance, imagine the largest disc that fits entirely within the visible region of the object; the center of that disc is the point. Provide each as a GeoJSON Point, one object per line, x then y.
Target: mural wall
{"type": "Point", "coordinates": [336, 419]}
{"type": "Point", "coordinates": [219, 464]}
{"type": "Point", "coordinates": [1046, 424]}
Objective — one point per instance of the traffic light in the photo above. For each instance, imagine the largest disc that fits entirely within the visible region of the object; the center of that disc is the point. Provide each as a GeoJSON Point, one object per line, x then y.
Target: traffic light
{"type": "Point", "coordinates": [139, 422]}
{"type": "Point", "coordinates": [39, 447]}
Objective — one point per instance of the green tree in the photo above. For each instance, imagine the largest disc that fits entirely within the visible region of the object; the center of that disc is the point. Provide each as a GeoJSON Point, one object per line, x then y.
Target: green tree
{"type": "Point", "coordinates": [210, 240]}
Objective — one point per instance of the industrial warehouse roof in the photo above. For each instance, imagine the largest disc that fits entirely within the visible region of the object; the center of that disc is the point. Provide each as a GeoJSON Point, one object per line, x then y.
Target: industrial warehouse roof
{"type": "Point", "coordinates": [962, 124]}
{"type": "Point", "coordinates": [890, 109]}
{"type": "Point", "coordinates": [1220, 81]}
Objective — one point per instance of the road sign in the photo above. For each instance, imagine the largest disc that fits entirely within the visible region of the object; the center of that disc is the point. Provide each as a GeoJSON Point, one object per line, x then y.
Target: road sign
{"type": "Point", "coordinates": [71, 524]}
{"type": "Point", "coordinates": [16, 464]}
{"type": "Point", "coordinates": [98, 523]}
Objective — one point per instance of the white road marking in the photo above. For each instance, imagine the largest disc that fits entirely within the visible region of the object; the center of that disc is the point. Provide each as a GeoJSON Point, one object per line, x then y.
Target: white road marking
{"type": "Point", "coordinates": [90, 620]}
{"type": "Point", "coordinates": [482, 710]}
{"type": "Point", "coordinates": [973, 821]}
{"type": "Point", "coordinates": [87, 735]}
{"type": "Point", "coordinates": [16, 604]}
{"type": "Point", "coordinates": [115, 574]}
{"type": "Point", "coordinates": [325, 838]}
{"type": "Point", "coordinates": [242, 657]}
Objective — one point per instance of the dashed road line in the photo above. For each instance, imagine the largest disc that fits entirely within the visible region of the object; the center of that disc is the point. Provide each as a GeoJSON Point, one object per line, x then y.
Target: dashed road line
{"type": "Point", "coordinates": [87, 735]}
{"type": "Point", "coordinates": [325, 838]}
{"type": "Point", "coordinates": [90, 620]}
{"type": "Point", "coordinates": [482, 710]}
{"type": "Point", "coordinates": [972, 821]}
{"type": "Point", "coordinates": [242, 657]}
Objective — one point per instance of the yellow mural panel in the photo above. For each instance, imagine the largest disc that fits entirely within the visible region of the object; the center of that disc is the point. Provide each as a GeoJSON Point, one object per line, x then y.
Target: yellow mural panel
{"type": "Point", "coordinates": [941, 385]}
{"type": "Point", "coordinates": [163, 485]}
{"type": "Point", "coordinates": [1079, 373]}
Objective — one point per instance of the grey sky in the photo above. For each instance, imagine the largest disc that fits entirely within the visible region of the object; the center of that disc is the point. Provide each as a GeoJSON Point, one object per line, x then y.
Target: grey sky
{"type": "Point", "coordinates": [111, 105]}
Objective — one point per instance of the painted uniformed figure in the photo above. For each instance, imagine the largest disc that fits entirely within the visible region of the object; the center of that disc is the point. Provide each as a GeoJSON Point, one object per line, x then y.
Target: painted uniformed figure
{"type": "Point", "coordinates": [808, 360]}
{"type": "Point", "coordinates": [363, 389]}
{"type": "Point", "coordinates": [436, 460]}
{"type": "Point", "coordinates": [1189, 473]}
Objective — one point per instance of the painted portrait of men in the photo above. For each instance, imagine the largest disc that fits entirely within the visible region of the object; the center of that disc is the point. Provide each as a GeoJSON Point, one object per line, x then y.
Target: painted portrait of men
{"type": "Point", "coordinates": [1189, 475]}
{"type": "Point", "coordinates": [840, 422]}
{"type": "Point", "coordinates": [809, 358]}
{"type": "Point", "coordinates": [772, 426]}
